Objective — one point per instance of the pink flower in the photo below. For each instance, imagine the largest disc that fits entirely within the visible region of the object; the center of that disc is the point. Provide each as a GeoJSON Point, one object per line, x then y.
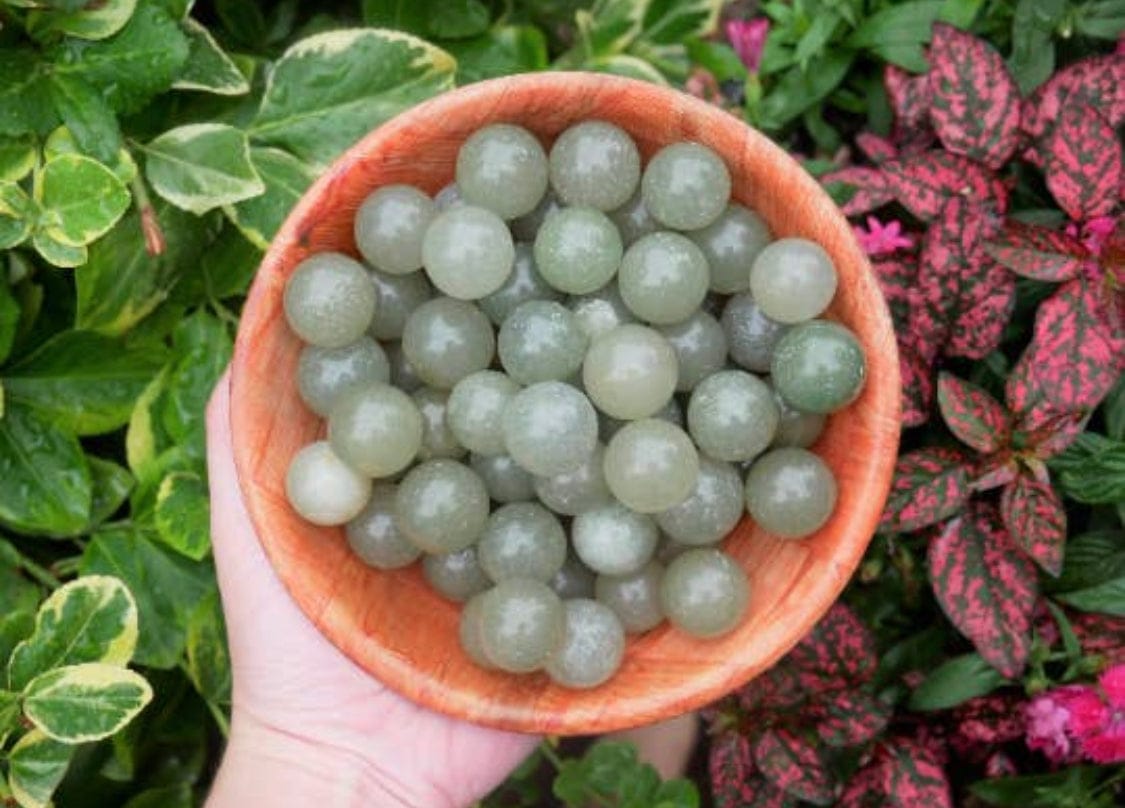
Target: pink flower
{"type": "Point", "coordinates": [1105, 743]}
{"type": "Point", "coordinates": [1093, 719]}
{"type": "Point", "coordinates": [748, 38]}
{"type": "Point", "coordinates": [881, 239]}
{"type": "Point", "coordinates": [1094, 232]}
{"type": "Point", "coordinates": [1047, 721]}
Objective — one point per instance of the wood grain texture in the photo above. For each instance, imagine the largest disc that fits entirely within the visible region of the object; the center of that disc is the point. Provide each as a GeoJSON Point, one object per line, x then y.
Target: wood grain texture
{"type": "Point", "coordinates": [391, 623]}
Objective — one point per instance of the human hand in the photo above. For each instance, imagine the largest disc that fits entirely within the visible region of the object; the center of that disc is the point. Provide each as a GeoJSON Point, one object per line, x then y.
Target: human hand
{"type": "Point", "coordinates": [309, 727]}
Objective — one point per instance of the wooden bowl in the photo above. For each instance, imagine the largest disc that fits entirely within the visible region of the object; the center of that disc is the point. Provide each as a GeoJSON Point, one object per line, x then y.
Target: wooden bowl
{"type": "Point", "coordinates": [391, 623]}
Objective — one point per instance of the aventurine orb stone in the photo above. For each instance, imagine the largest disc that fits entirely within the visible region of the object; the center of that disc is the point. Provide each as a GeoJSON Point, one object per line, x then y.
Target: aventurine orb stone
{"type": "Point", "coordinates": [325, 374]}
{"type": "Point", "coordinates": [502, 167]}
{"type": "Point", "coordinates": [751, 335]}
{"type": "Point", "coordinates": [389, 227]}
{"type": "Point", "coordinates": [522, 622]}
{"type": "Point", "coordinates": [686, 186]}
{"type": "Point", "coordinates": [445, 340]}
{"type": "Point", "coordinates": [468, 252]}
{"type": "Point", "coordinates": [376, 429]}
{"type": "Point", "coordinates": [732, 415]}
{"type": "Point", "coordinates": [541, 340]}
{"type": "Point", "coordinates": [505, 480]}
{"type": "Point", "coordinates": [457, 575]}
{"type": "Point", "coordinates": [577, 490]}
{"type": "Point", "coordinates": [522, 540]}
{"type": "Point", "coordinates": [578, 250]}
{"type": "Point", "coordinates": [442, 506]}
{"type": "Point", "coordinates": [595, 164]}
{"type": "Point", "coordinates": [469, 631]}
{"type": "Point", "coordinates": [476, 410]}
{"type": "Point", "coordinates": [329, 300]}
{"type": "Point", "coordinates": [573, 580]}
{"type": "Point", "coordinates": [614, 540]}
{"type": "Point", "coordinates": [651, 465]}
{"type": "Point", "coordinates": [701, 348]}
{"type": "Point", "coordinates": [790, 492]}
{"type": "Point", "coordinates": [630, 372]}
{"type": "Point", "coordinates": [438, 439]}
{"type": "Point", "coordinates": [324, 489]}
{"type": "Point", "coordinates": [635, 597]}
{"type": "Point", "coordinates": [663, 278]}
{"type": "Point", "coordinates": [704, 593]}
{"type": "Point", "coordinates": [550, 428]}
{"type": "Point", "coordinates": [730, 244]}
{"type": "Point", "coordinates": [713, 508]}
{"type": "Point", "coordinates": [374, 536]}
{"type": "Point", "coordinates": [793, 280]}
{"type": "Point", "coordinates": [397, 296]}
{"type": "Point", "coordinates": [600, 311]}
{"type": "Point", "coordinates": [818, 367]}
{"type": "Point", "coordinates": [592, 647]}
{"type": "Point", "coordinates": [523, 284]}
{"type": "Point", "coordinates": [795, 428]}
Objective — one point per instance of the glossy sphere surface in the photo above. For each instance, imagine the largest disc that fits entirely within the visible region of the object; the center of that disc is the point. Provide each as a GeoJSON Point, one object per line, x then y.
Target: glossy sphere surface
{"type": "Point", "coordinates": [438, 439]}
{"type": "Point", "coordinates": [374, 535]}
{"type": "Point", "coordinates": [550, 428]}
{"type": "Point", "coordinates": [527, 226]}
{"type": "Point", "coordinates": [751, 335]}
{"type": "Point", "coordinates": [389, 226]}
{"type": "Point", "coordinates": [402, 372]}
{"type": "Point", "coordinates": [790, 492]}
{"type": "Point", "coordinates": [329, 300]}
{"type": "Point", "coordinates": [577, 490]}
{"type": "Point", "coordinates": [541, 340]}
{"type": "Point", "coordinates": [522, 540]}
{"type": "Point", "coordinates": [795, 428]}
{"type": "Point", "coordinates": [476, 410]}
{"type": "Point", "coordinates": [732, 415]}
{"type": "Point", "coordinates": [445, 340]}
{"type": "Point", "coordinates": [573, 580]}
{"type": "Point", "coordinates": [457, 575]}
{"type": "Point", "coordinates": [686, 186]}
{"type": "Point", "coordinates": [613, 540]}
{"type": "Point", "coordinates": [522, 621]}
{"type": "Point", "coordinates": [468, 252]}
{"type": "Point", "coordinates": [651, 465]}
{"type": "Point", "coordinates": [793, 280]}
{"type": "Point", "coordinates": [325, 374]}
{"type": "Point", "coordinates": [633, 219]}
{"type": "Point", "coordinates": [577, 250]}
{"type": "Point", "coordinates": [524, 283]}
{"type": "Point", "coordinates": [595, 164]}
{"type": "Point", "coordinates": [663, 278]}
{"type": "Point", "coordinates": [469, 631]}
{"type": "Point", "coordinates": [713, 508]}
{"type": "Point", "coordinates": [503, 477]}
{"type": "Point", "coordinates": [376, 429]}
{"type": "Point", "coordinates": [600, 311]}
{"type": "Point", "coordinates": [818, 367]}
{"type": "Point", "coordinates": [704, 593]}
{"type": "Point", "coordinates": [324, 489]}
{"type": "Point", "coordinates": [448, 197]}
{"type": "Point", "coordinates": [442, 506]}
{"type": "Point", "coordinates": [630, 372]}
{"type": "Point", "coordinates": [592, 647]}
{"type": "Point", "coordinates": [396, 297]}
{"type": "Point", "coordinates": [701, 348]}
{"type": "Point", "coordinates": [730, 244]}
{"type": "Point", "coordinates": [503, 168]}
{"type": "Point", "coordinates": [634, 598]}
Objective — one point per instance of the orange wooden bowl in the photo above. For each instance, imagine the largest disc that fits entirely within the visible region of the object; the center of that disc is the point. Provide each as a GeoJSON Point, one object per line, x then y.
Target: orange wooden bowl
{"type": "Point", "coordinates": [391, 623]}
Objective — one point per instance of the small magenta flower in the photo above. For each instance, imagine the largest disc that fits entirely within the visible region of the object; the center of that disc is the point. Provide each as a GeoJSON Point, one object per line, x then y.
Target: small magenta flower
{"type": "Point", "coordinates": [882, 239]}
{"type": "Point", "coordinates": [1047, 718]}
{"type": "Point", "coordinates": [1093, 232]}
{"type": "Point", "coordinates": [1099, 719]}
{"type": "Point", "coordinates": [748, 38]}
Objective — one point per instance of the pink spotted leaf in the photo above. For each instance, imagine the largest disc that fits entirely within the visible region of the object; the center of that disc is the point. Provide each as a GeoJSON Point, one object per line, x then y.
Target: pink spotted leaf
{"type": "Point", "coordinates": [976, 103]}
{"type": "Point", "coordinates": [793, 763]}
{"type": "Point", "coordinates": [735, 781]}
{"type": "Point", "coordinates": [876, 148]}
{"type": "Point", "coordinates": [916, 369]}
{"type": "Point", "coordinates": [1037, 252]}
{"type": "Point", "coordinates": [851, 718]}
{"type": "Point", "coordinates": [924, 182]}
{"type": "Point", "coordinates": [838, 654]}
{"type": "Point", "coordinates": [993, 471]}
{"type": "Point", "coordinates": [1084, 163]}
{"type": "Point", "coordinates": [929, 486]}
{"type": "Point", "coordinates": [909, 96]}
{"type": "Point", "coordinates": [901, 774]}
{"type": "Point", "coordinates": [985, 306]}
{"type": "Point", "coordinates": [972, 415]}
{"type": "Point", "coordinates": [1035, 517]}
{"type": "Point", "coordinates": [897, 275]}
{"type": "Point", "coordinates": [1047, 433]}
{"type": "Point", "coordinates": [870, 188]}
{"type": "Point", "coordinates": [1098, 83]}
{"type": "Point", "coordinates": [986, 586]}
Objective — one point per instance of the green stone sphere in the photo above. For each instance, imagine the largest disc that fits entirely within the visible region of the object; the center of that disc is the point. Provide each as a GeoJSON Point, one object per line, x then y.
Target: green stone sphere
{"type": "Point", "coordinates": [541, 340]}
{"type": "Point", "coordinates": [600, 311]}
{"type": "Point", "coordinates": [526, 227]}
{"type": "Point", "coordinates": [456, 576]}
{"type": "Point", "coordinates": [325, 374]}
{"type": "Point", "coordinates": [476, 410]}
{"type": "Point", "coordinates": [634, 598]}
{"type": "Point", "coordinates": [704, 593]}
{"type": "Point", "coordinates": [376, 429]}
{"type": "Point", "coordinates": [438, 439]}
{"type": "Point", "coordinates": [630, 372]}
{"type": "Point", "coordinates": [793, 280]}
{"type": "Point", "coordinates": [711, 511]}
{"type": "Point", "coordinates": [670, 412]}
{"type": "Point", "coordinates": [577, 490]}
{"type": "Point", "coordinates": [573, 580]}
{"type": "Point", "coordinates": [701, 348]}
{"type": "Point", "coordinates": [651, 465]}
{"type": "Point", "coordinates": [324, 489]}
{"type": "Point", "coordinates": [595, 164]}
{"type": "Point", "coordinates": [523, 284]}
{"type": "Point", "coordinates": [329, 300]}
{"type": "Point", "coordinates": [790, 493]}
{"type": "Point", "coordinates": [445, 340]}
{"type": "Point", "coordinates": [686, 186]}
{"type": "Point", "coordinates": [663, 278]}
{"type": "Point", "coordinates": [448, 197]}
{"type": "Point", "coordinates": [468, 252]}
{"type": "Point", "coordinates": [633, 220]}
{"type": "Point", "coordinates": [818, 367]}
{"type": "Point", "coordinates": [402, 372]}
{"type": "Point", "coordinates": [730, 244]}
{"type": "Point", "coordinates": [522, 540]}
{"type": "Point", "coordinates": [592, 647]}
{"type": "Point", "coordinates": [502, 167]}
{"type": "Point", "coordinates": [503, 477]}
{"type": "Point", "coordinates": [469, 631]}
{"type": "Point", "coordinates": [397, 296]}
{"type": "Point", "coordinates": [614, 540]}
{"type": "Point", "coordinates": [389, 226]}
{"type": "Point", "coordinates": [522, 622]}
{"type": "Point", "coordinates": [795, 428]}
{"type": "Point", "coordinates": [550, 428]}
{"type": "Point", "coordinates": [578, 250]}
{"type": "Point", "coordinates": [374, 536]}
{"type": "Point", "coordinates": [732, 415]}
{"type": "Point", "coordinates": [751, 335]}
{"type": "Point", "coordinates": [442, 506]}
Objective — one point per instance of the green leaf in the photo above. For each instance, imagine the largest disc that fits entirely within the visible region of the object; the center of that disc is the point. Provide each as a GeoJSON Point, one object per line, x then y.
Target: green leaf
{"type": "Point", "coordinates": [208, 67]}
{"type": "Point", "coordinates": [15, 627]}
{"type": "Point", "coordinates": [718, 58]}
{"type": "Point", "coordinates": [61, 141]}
{"type": "Point", "coordinates": [1100, 478]}
{"type": "Point", "coordinates": [243, 19]}
{"type": "Point", "coordinates": [183, 514]}
{"type": "Point", "coordinates": [177, 796]}
{"type": "Point", "coordinates": [610, 26]}
{"type": "Point", "coordinates": [88, 702]}
{"type": "Point", "coordinates": [112, 484]}
{"type": "Point", "coordinates": [1102, 19]}
{"type": "Point", "coordinates": [814, 40]}
{"type": "Point", "coordinates": [17, 158]}
{"type": "Point", "coordinates": [166, 586]}
{"type": "Point", "coordinates": [17, 211]}
{"type": "Point", "coordinates": [798, 90]}
{"type": "Point", "coordinates": [202, 166]}
{"type": "Point", "coordinates": [1072, 786]}
{"type": "Point", "coordinates": [898, 32]}
{"type": "Point", "coordinates": [629, 66]}
{"type": "Point", "coordinates": [954, 682]}
{"type": "Point", "coordinates": [403, 15]}
{"type": "Point", "coordinates": [9, 322]}
{"type": "Point", "coordinates": [1091, 559]}
{"type": "Point", "coordinates": [87, 116]}
{"type": "Point", "coordinates": [1114, 410]}
{"type": "Point", "coordinates": [139, 62]}
{"type": "Point", "coordinates": [17, 592]}
{"type": "Point", "coordinates": [1106, 598]}
{"type": "Point", "coordinates": [144, 439]}
{"type": "Point", "coordinates": [208, 661]}
{"type": "Point", "coordinates": [669, 22]}
{"type": "Point", "coordinates": [9, 713]}
{"type": "Point", "coordinates": [22, 89]}
{"type": "Point", "coordinates": [56, 252]}
{"type": "Point", "coordinates": [960, 13]}
{"type": "Point", "coordinates": [229, 266]}
{"type": "Point", "coordinates": [204, 346]}
{"type": "Point", "coordinates": [330, 89]}
{"type": "Point", "coordinates": [286, 179]}
{"type": "Point", "coordinates": [84, 382]}
{"type": "Point", "coordinates": [92, 619]}
{"type": "Point", "coordinates": [44, 479]}
{"type": "Point", "coordinates": [1033, 47]}
{"type": "Point", "coordinates": [500, 51]}
{"type": "Point", "coordinates": [458, 19]}
{"type": "Point", "coordinates": [36, 765]}
{"type": "Point", "coordinates": [90, 21]}
{"type": "Point", "coordinates": [82, 199]}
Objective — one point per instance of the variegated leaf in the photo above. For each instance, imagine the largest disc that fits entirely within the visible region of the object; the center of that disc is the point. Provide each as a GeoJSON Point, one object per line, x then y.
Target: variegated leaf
{"type": "Point", "coordinates": [972, 415]}
{"type": "Point", "coordinates": [1035, 517]}
{"type": "Point", "coordinates": [87, 702]}
{"type": "Point", "coordinates": [929, 486]}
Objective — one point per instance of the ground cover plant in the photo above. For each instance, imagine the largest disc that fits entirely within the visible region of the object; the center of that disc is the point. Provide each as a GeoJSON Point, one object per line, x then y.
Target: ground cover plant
{"type": "Point", "coordinates": [149, 149]}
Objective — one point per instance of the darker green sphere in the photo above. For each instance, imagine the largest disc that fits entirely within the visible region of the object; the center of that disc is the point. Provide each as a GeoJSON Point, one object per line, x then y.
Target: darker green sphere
{"type": "Point", "coordinates": [818, 366]}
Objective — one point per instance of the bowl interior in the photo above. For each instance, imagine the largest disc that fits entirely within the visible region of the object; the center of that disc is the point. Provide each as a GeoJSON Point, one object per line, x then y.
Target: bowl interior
{"type": "Point", "coordinates": [392, 624]}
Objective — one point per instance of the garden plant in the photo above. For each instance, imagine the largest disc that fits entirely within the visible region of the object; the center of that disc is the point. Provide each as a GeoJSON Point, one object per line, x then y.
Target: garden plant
{"type": "Point", "coordinates": [150, 149]}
